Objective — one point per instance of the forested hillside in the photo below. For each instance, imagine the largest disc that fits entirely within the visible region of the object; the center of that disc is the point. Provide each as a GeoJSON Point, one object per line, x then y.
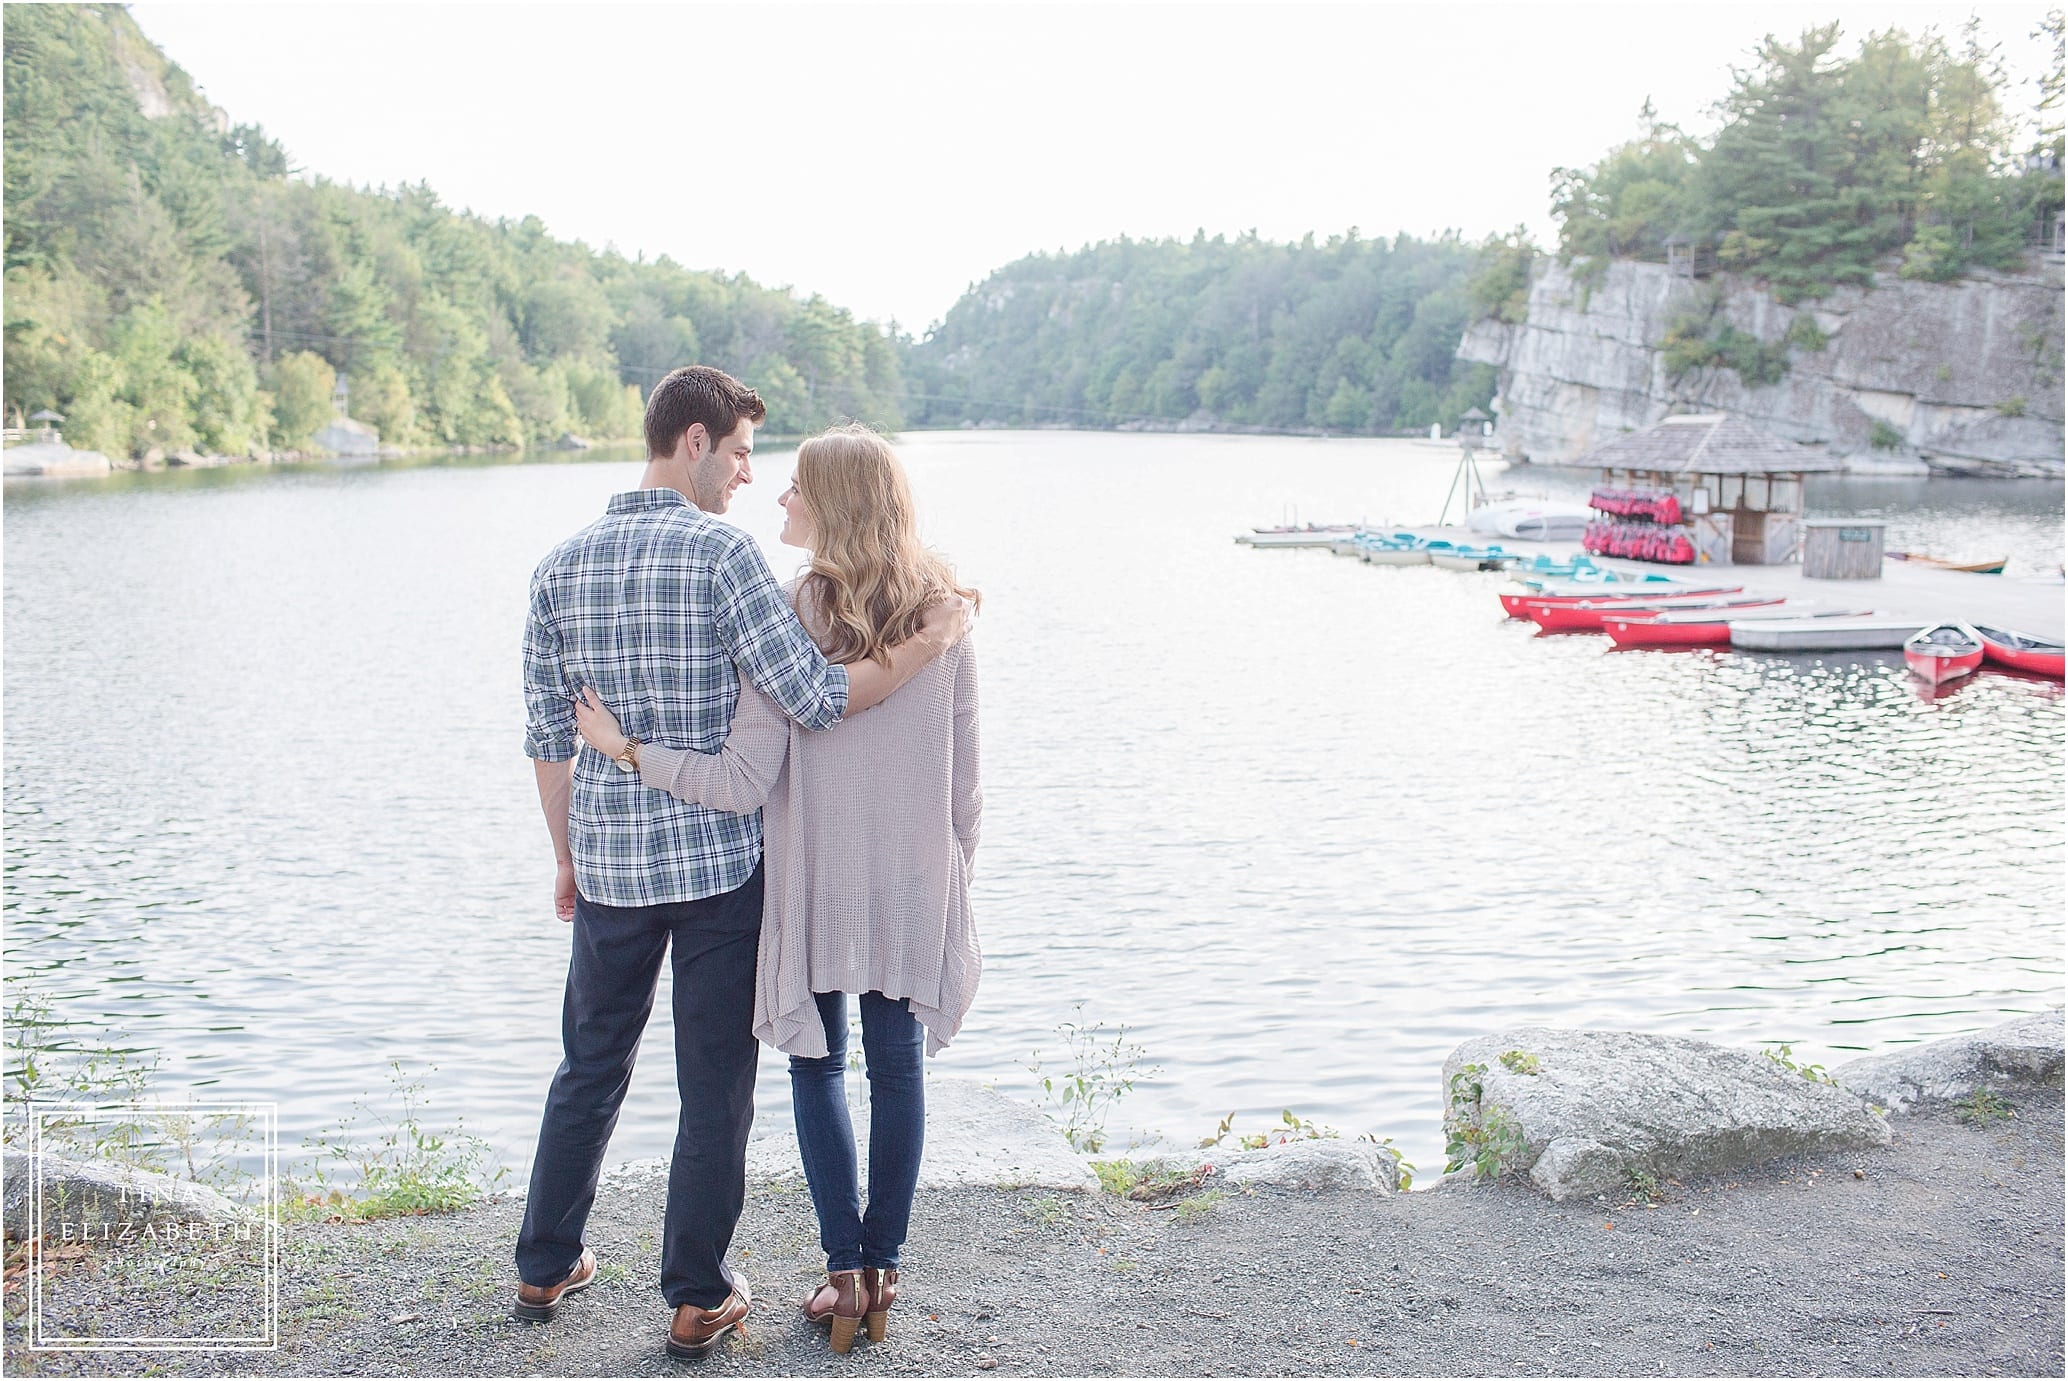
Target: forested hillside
{"type": "Point", "coordinates": [1350, 335]}
{"type": "Point", "coordinates": [169, 285]}
{"type": "Point", "coordinates": [1825, 162]}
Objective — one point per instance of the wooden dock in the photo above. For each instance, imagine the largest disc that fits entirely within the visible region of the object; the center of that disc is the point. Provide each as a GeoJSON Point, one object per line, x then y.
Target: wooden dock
{"type": "Point", "coordinates": [2025, 604]}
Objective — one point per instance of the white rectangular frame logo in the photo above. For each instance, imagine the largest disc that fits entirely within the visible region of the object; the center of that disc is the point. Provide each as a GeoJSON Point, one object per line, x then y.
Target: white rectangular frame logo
{"type": "Point", "coordinates": [268, 1115]}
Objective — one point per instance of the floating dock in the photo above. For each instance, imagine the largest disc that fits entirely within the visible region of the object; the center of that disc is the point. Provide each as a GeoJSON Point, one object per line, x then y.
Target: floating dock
{"type": "Point", "coordinates": [1906, 592]}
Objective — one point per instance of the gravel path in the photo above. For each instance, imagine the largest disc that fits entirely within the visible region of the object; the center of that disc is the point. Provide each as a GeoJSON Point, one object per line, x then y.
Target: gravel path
{"type": "Point", "coordinates": [1943, 1256]}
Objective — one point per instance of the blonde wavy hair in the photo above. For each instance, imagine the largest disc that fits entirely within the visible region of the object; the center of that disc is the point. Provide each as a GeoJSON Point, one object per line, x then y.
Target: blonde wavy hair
{"type": "Point", "coordinates": [871, 579]}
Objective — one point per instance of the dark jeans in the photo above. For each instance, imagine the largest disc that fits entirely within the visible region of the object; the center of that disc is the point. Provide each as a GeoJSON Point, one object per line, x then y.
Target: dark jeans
{"type": "Point", "coordinates": [611, 981]}
{"type": "Point", "coordinates": [893, 1046]}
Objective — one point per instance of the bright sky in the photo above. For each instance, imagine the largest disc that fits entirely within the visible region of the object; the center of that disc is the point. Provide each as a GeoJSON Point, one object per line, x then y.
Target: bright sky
{"type": "Point", "coordinates": [889, 156]}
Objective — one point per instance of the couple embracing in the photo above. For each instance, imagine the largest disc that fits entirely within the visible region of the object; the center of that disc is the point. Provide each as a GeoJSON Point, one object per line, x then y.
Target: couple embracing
{"type": "Point", "coordinates": [681, 709]}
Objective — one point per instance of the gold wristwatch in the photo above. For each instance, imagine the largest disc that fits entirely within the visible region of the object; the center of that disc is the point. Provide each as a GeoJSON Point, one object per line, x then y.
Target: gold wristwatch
{"type": "Point", "coordinates": [628, 759]}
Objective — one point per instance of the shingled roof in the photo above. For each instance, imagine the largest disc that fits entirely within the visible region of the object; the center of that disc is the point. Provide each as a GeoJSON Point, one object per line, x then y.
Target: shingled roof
{"type": "Point", "coordinates": [1709, 444]}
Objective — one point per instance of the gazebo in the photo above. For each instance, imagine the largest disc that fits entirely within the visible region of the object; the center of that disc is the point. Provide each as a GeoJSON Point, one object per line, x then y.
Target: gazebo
{"type": "Point", "coordinates": [1689, 258]}
{"type": "Point", "coordinates": [1740, 488]}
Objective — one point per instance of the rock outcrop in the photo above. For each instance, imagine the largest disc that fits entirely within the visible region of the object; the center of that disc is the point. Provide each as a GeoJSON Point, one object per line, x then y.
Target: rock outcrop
{"type": "Point", "coordinates": [54, 458]}
{"type": "Point", "coordinates": [2023, 1051]}
{"type": "Point", "coordinates": [83, 1197]}
{"type": "Point", "coordinates": [1312, 1163]}
{"type": "Point", "coordinates": [1594, 1112]}
{"type": "Point", "coordinates": [1961, 377]}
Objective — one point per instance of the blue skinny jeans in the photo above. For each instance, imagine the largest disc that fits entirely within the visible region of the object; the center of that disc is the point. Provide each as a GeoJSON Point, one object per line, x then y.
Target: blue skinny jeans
{"type": "Point", "coordinates": [893, 1047]}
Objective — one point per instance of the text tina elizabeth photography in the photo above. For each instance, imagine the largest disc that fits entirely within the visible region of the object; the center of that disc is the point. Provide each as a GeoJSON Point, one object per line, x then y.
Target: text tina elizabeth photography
{"type": "Point", "coordinates": [1056, 690]}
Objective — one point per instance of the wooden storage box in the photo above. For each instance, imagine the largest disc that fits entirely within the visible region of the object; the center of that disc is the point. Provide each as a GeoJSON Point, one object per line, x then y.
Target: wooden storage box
{"type": "Point", "coordinates": [1841, 549]}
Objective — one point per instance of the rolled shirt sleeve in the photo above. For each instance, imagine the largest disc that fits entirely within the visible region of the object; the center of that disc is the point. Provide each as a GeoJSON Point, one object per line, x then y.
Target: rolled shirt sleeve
{"type": "Point", "coordinates": [550, 731]}
{"type": "Point", "coordinates": [759, 630]}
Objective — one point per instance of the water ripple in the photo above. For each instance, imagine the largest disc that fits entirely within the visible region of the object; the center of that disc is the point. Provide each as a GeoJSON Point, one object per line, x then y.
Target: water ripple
{"type": "Point", "coordinates": [1300, 824]}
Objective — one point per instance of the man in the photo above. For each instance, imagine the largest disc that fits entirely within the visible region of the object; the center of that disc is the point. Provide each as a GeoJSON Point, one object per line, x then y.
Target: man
{"type": "Point", "coordinates": [655, 605]}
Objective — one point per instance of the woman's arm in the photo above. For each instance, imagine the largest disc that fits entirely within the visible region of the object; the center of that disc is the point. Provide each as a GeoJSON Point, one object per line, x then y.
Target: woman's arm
{"type": "Point", "coordinates": [737, 778]}
{"type": "Point", "coordinates": [967, 794]}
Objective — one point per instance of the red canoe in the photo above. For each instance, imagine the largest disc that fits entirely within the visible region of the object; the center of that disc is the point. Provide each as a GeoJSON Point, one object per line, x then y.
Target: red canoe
{"type": "Point", "coordinates": [1701, 628]}
{"type": "Point", "coordinates": [2021, 652]}
{"type": "Point", "coordinates": [1517, 604]}
{"type": "Point", "coordinates": [1944, 652]}
{"type": "Point", "coordinates": [1593, 617]}
{"type": "Point", "coordinates": [1652, 633]}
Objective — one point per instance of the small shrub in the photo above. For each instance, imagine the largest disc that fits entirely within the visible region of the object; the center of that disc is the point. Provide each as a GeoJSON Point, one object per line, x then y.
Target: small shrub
{"type": "Point", "coordinates": [1102, 1072]}
{"type": "Point", "coordinates": [1783, 1054]}
{"type": "Point", "coordinates": [1116, 1177]}
{"type": "Point", "coordinates": [1757, 363]}
{"type": "Point", "coordinates": [1805, 334]}
{"type": "Point", "coordinates": [1150, 1182]}
{"type": "Point", "coordinates": [1485, 1138]}
{"type": "Point", "coordinates": [1690, 344]}
{"type": "Point", "coordinates": [1044, 1212]}
{"type": "Point", "coordinates": [1687, 346]}
{"type": "Point", "coordinates": [1290, 1128]}
{"type": "Point", "coordinates": [1883, 436]}
{"type": "Point", "coordinates": [1932, 255]}
{"type": "Point", "coordinates": [1644, 1185]}
{"type": "Point", "coordinates": [1403, 1168]}
{"type": "Point", "coordinates": [404, 1168]}
{"type": "Point", "coordinates": [1198, 1206]}
{"type": "Point", "coordinates": [1520, 1062]}
{"type": "Point", "coordinates": [2013, 406]}
{"type": "Point", "coordinates": [1982, 1107]}
{"type": "Point", "coordinates": [55, 1060]}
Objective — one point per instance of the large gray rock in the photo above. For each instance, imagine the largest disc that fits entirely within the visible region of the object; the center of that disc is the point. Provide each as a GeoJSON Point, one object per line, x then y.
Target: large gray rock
{"type": "Point", "coordinates": [1958, 374]}
{"type": "Point", "coordinates": [54, 458]}
{"type": "Point", "coordinates": [2026, 1050]}
{"type": "Point", "coordinates": [90, 1195]}
{"type": "Point", "coordinates": [1604, 1105]}
{"type": "Point", "coordinates": [1323, 1163]}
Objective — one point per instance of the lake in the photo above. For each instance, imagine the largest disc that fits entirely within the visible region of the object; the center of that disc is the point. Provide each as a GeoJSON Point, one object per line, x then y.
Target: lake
{"type": "Point", "coordinates": [1299, 824]}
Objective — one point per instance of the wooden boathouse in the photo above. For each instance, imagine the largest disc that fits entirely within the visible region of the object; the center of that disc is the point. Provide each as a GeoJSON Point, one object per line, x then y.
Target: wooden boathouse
{"type": "Point", "coordinates": [1738, 488]}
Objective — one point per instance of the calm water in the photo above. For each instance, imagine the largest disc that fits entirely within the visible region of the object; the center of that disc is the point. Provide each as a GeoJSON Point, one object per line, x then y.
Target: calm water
{"type": "Point", "coordinates": [1300, 824]}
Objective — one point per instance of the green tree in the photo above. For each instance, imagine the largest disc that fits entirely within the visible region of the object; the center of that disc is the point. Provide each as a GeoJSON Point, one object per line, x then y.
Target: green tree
{"type": "Point", "coordinates": [1632, 201]}
{"type": "Point", "coordinates": [228, 414]}
{"type": "Point", "coordinates": [130, 238]}
{"type": "Point", "coordinates": [301, 389]}
{"type": "Point", "coordinates": [1346, 334]}
{"type": "Point", "coordinates": [380, 399]}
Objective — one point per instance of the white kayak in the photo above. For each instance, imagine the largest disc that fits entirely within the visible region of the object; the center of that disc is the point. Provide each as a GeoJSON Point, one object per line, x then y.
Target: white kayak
{"type": "Point", "coordinates": [1535, 520]}
{"type": "Point", "coordinates": [1820, 635]}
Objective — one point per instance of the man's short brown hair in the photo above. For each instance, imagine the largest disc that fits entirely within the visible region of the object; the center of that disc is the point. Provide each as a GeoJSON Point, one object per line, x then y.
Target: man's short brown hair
{"type": "Point", "coordinates": [698, 393]}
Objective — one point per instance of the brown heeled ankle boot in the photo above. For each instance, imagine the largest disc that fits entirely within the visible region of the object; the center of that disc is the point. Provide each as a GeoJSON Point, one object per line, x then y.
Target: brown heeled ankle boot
{"type": "Point", "coordinates": [883, 1293]}
{"type": "Point", "coordinates": [840, 1303]}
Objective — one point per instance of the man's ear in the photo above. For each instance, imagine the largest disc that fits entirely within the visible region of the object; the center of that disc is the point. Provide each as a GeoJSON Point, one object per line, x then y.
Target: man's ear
{"type": "Point", "coordinates": [699, 439]}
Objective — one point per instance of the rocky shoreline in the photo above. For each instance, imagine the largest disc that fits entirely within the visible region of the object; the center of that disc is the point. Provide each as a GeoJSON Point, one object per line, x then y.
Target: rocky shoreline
{"type": "Point", "coordinates": [1932, 1248]}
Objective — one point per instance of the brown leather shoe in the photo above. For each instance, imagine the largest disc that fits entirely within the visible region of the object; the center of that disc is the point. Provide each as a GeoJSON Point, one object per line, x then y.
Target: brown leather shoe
{"type": "Point", "coordinates": [882, 1286]}
{"type": "Point", "coordinates": [696, 1333]}
{"type": "Point", "coordinates": [539, 1303]}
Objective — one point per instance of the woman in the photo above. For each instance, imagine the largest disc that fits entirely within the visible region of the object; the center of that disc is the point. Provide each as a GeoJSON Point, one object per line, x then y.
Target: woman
{"type": "Point", "coordinates": [870, 833]}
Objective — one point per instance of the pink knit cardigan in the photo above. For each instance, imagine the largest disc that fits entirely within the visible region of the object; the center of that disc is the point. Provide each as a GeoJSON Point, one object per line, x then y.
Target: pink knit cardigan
{"type": "Point", "coordinates": [870, 836]}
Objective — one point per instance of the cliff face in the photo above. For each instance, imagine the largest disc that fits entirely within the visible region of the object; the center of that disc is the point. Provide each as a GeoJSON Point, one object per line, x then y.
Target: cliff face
{"type": "Point", "coordinates": [1964, 377]}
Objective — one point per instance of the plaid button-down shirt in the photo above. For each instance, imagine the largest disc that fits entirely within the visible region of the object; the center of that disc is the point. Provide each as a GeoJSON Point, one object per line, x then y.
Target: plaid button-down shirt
{"type": "Point", "coordinates": [654, 605]}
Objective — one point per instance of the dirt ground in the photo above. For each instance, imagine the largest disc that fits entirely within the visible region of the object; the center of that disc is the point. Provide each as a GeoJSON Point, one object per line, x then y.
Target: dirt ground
{"type": "Point", "coordinates": [1941, 1255]}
